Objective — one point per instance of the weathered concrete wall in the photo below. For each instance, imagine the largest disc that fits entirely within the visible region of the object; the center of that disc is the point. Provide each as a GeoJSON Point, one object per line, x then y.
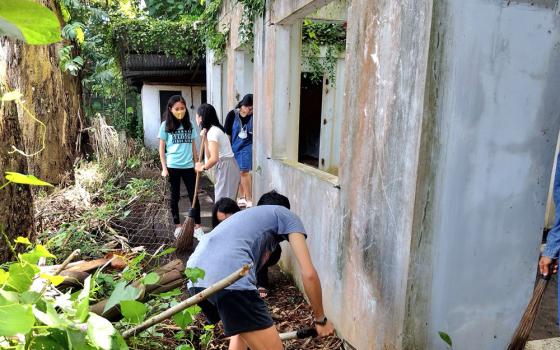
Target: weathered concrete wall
{"type": "Point", "coordinates": [359, 223]}
{"type": "Point", "coordinates": [492, 118]}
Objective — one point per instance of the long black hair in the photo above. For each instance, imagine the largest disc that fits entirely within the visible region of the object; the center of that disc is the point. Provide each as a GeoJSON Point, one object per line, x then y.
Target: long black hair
{"type": "Point", "coordinates": [172, 123]}
{"type": "Point", "coordinates": [209, 117]}
{"type": "Point", "coordinates": [224, 205]}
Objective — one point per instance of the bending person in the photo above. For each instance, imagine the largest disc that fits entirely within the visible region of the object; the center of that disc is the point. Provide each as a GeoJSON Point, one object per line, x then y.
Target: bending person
{"type": "Point", "coordinates": [243, 313]}
{"type": "Point", "coordinates": [218, 154]}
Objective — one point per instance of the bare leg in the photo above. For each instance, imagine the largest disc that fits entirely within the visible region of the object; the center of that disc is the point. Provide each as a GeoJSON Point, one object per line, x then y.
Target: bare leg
{"type": "Point", "coordinates": [246, 186]}
{"type": "Point", "coordinates": [264, 339]}
{"type": "Point", "coordinates": [236, 343]}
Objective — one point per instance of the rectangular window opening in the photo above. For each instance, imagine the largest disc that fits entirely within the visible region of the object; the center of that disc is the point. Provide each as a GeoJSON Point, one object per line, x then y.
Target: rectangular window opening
{"type": "Point", "coordinates": [311, 99]}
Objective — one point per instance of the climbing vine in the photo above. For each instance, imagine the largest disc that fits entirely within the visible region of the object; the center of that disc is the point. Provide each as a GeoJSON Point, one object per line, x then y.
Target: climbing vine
{"type": "Point", "coordinates": [251, 10]}
{"type": "Point", "coordinates": [216, 38]}
{"type": "Point", "coordinates": [322, 44]}
{"type": "Point", "coordinates": [181, 39]}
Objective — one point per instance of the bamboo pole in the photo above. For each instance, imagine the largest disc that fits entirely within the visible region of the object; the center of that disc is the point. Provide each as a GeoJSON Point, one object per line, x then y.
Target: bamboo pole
{"type": "Point", "coordinates": [197, 298]}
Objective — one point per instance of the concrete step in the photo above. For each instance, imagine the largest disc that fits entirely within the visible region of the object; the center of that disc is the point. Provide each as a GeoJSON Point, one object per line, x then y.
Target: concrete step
{"type": "Point", "coordinates": [543, 344]}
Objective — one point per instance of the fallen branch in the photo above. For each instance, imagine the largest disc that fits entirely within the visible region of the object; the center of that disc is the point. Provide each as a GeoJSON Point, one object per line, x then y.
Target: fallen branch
{"type": "Point", "coordinates": [195, 299]}
{"type": "Point", "coordinates": [67, 261]}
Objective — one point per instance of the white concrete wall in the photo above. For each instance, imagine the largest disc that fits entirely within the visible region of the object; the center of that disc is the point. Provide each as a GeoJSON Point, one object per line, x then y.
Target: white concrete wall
{"type": "Point", "coordinates": [151, 108]}
{"type": "Point", "coordinates": [496, 77]}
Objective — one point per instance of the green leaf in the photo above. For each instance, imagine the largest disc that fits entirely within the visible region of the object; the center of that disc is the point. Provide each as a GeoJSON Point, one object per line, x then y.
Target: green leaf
{"type": "Point", "coordinates": [172, 293]}
{"type": "Point", "coordinates": [32, 257]}
{"type": "Point", "coordinates": [100, 331]}
{"type": "Point", "coordinates": [194, 310]}
{"type": "Point", "coordinates": [121, 292]}
{"type": "Point", "coordinates": [165, 252]}
{"type": "Point", "coordinates": [8, 298]}
{"type": "Point", "coordinates": [29, 297]}
{"type": "Point", "coordinates": [151, 278]}
{"type": "Point", "coordinates": [50, 317]}
{"type": "Point", "coordinates": [184, 347]}
{"type": "Point", "coordinates": [21, 276]}
{"type": "Point", "coordinates": [12, 95]}
{"type": "Point", "coordinates": [43, 252]}
{"type": "Point", "coordinates": [23, 240]}
{"type": "Point", "coordinates": [194, 273]}
{"type": "Point", "coordinates": [82, 307]}
{"type": "Point", "coordinates": [29, 21]}
{"type": "Point", "coordinates": [47, 342]}
{"type": "Point", "coordinates": [78, 340]}
{"type": "Point", "coordinates": [25, 179]}
{"type": "Point", "coordinates": [3, 276]}
{"type": "Point", "coordinates": [55, 280]}
{"type": "Point", "coordinates": [134, 311]}
{"type": "Point", "coordinates": [446, 338]}
{"type": "Point", "coordinates": [183, 319]}
{"type": "Point", "coordinates": [15, 319]}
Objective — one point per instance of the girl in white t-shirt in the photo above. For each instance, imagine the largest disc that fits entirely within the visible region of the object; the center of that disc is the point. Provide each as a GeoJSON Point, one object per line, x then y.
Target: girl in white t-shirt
{"type": "Point", "coordinates": [218, 154]}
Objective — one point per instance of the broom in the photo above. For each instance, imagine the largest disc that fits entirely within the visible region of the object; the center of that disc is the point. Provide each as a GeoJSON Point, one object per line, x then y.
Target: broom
{"type": "Point", "coordinates": [526, 324]}
{"type": "Point", "coordinates": [185, 240]}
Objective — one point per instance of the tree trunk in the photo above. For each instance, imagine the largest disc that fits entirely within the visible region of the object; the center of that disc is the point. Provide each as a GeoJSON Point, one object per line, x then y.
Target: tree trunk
{"type": "Point", "coordinates": [16, 201]}
{"type": "Point", "coordinates": [54, 97]}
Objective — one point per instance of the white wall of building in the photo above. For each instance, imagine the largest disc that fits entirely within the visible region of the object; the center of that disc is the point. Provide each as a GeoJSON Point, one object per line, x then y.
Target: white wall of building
{"type": "Point", "coordinates": [151, 107]}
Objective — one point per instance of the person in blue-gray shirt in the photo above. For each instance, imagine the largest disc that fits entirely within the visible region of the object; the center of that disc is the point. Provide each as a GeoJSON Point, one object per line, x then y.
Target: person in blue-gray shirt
{"type": "Point", "coordinates": [250, 236]}
{"type": "Point", "coordinates": [177, 152]}
{"type": "Point", "coordinates": [548, 262]}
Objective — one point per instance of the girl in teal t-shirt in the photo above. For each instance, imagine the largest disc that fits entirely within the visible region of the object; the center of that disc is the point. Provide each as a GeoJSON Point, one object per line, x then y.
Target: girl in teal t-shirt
{"type": "Point", "coordinates": [177, 152]}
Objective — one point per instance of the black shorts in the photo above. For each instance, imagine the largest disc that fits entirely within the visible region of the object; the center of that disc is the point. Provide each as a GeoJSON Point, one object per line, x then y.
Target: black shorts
{"type": "Point", "coordinates": [240, 310]}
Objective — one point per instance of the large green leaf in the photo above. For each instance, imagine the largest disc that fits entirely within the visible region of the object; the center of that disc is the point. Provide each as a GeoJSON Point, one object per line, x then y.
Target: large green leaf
{"type": "Point", "coordinates": [151, 278]}
{"type": "Point", "coordinates": [134, 311]}
{"type": "Point", "coordinates": [183, 319]}
{"type": "Point", "coordinates": [32, 257]}
{"type": "Point", "coordinates": [3, 276]}
{"type": "Point", "coordinates": [100, 331]}
{"type": "Point", "coordinates": [15, 319]}
{"type": "Point", "coordinates": [122, 292]}
{"type": "Point", "coordinates": [78, 340]}
{"type": "Point", "coordinates": [21, 276]}
{"type": "Point", "coordinates": [24, 179]}
{"type": "Point", "coordinates": [194, 273]}
{"type": "Point", "coordinates": [29, 21]}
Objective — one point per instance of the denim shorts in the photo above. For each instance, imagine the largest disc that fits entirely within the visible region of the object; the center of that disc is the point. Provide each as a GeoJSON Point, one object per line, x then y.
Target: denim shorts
{"type": "Point", "coordinates": [244, 159]}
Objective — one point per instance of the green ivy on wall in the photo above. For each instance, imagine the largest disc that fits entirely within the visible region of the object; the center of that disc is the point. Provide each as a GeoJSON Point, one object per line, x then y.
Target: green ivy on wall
{"type": "Point", "coordinates": [180, 39]}
{"type": "Point", "coordinates": [251, 10]}
{"type": "Point", "coordinates": [331, 37]}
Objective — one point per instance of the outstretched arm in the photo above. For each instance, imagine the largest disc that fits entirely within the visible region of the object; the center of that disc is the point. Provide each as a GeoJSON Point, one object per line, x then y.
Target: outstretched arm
{"type": "Point", "coordinates": [311, 282]}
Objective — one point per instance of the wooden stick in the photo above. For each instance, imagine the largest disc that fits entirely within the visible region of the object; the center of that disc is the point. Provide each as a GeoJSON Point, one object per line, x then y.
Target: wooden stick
{"type": "Point", "coordinates": [66, 262]}
{"type": "Point", "coordinates": [195, 299]}
{"type": "Point", "coordinates": [200, 155]}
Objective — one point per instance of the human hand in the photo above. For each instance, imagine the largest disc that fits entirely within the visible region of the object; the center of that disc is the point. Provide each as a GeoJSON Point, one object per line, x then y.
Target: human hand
{"type": "Point", "coordinates": [164, 172]}
{"type": "Point", "coordinates": [544, 265]}
{"type": "Point", "coordinates": [199, 166]}
{"type": "Point", "coordinates": [326, 330]}
{"type": "Point", "coordinates": [202, 132]}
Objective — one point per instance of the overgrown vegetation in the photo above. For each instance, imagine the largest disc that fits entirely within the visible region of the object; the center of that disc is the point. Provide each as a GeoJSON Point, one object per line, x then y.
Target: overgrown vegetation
{"type": "Point", "coordinates": [322, 45]}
